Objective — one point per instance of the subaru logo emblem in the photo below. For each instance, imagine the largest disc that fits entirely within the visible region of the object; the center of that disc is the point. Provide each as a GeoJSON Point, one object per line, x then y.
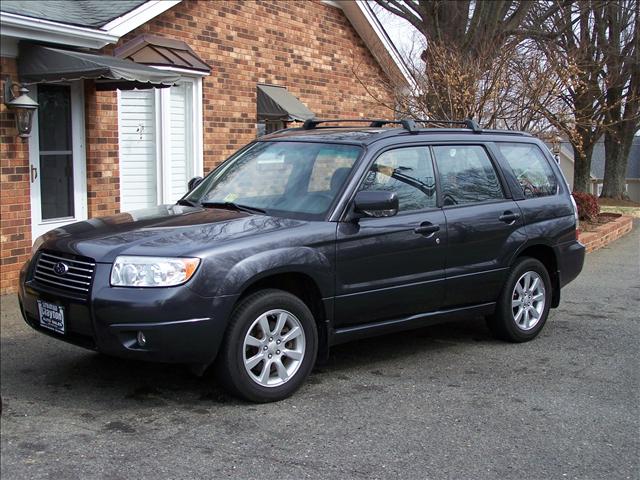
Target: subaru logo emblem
{"type": "Point", "coordinates": [60, 268]}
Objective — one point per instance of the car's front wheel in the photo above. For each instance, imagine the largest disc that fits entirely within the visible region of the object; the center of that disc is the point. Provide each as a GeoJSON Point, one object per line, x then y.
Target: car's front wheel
{"type": "Point", "coordinates": [269, 348]}
{"type": "Point", "coordinates": [523, 306]}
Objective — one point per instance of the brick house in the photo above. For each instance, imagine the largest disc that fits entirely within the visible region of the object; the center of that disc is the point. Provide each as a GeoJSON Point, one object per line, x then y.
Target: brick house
{"type": "Point", "coordinates": [138, 96]}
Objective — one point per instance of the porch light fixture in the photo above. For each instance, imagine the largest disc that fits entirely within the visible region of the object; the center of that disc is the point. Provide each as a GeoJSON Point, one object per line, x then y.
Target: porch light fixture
{"type": "Point", "coordinates": [556, 146]}
{"type": "Point", "coordinates": [23, 106]}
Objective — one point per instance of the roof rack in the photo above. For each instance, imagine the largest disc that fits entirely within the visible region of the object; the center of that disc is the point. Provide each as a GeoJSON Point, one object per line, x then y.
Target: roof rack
{"type": "Point", "coordinates": [470, 124]}
{"type": "Point", "coordinates": [409, 125]}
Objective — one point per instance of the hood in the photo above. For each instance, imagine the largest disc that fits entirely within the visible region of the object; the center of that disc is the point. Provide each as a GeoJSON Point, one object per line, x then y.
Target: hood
{"type": "Point", "coordinates": [166, 230]}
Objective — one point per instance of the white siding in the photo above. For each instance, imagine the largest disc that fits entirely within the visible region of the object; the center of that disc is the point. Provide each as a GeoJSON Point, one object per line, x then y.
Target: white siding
{"type": "Point", "coordinates": [160, 143]}
{"type": "Point", "coordinates": [180, 158]}
{"type": "Point", "coordinates": [138, 154]}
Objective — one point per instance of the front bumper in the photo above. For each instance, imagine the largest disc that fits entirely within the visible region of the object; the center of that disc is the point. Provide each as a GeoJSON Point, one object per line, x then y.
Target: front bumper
{"type": "Point", "coordinates": [179, 325]}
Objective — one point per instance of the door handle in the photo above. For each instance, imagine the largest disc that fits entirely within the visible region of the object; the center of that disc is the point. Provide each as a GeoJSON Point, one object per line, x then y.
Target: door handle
{"type": "Point", "coordinates": [34, 173]}
{"type": "Point", "coordinates": [509, 217]}
{"type": "Point", "coordinates": [427, 229]}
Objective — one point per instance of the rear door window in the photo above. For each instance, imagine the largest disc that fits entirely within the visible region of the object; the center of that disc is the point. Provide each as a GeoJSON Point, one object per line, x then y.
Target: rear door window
{"type": "Point", "coordinates": [466, 175]}
{"type": "Point", "coordinates": [531, 168]}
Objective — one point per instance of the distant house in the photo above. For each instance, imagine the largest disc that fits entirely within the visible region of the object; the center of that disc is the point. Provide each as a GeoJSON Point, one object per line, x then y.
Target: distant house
{"type": "Point", "coordinates": [597, 167]}
{"type": "Point", "coordinates": [137, 96]}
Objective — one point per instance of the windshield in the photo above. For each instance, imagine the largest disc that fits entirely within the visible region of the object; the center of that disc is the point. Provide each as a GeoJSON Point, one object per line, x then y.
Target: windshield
{"type": "Point", "coordinates": [290, 179]}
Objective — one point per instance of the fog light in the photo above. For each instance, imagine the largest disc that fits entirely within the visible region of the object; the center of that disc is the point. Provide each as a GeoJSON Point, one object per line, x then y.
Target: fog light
{"type": "Point", "coordinates": [142, 340]}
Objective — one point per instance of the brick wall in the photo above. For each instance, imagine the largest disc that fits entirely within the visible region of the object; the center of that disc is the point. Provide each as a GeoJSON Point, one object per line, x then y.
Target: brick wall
{"type": "Point", "coordinates": [308, 47]}
{"type": "Point", "coordinates": [606, 233]}
{"type": "Point", "coordinates": [101, 131]}
{"type": "Point", "coordinates": [15, 209]}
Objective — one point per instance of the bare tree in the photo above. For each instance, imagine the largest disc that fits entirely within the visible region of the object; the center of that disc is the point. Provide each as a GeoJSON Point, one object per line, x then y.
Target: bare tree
{"type": "Point", "coordinates": [619, 36]}
{"type": "Point", "coordinates": [468, 47]}
{"type": "Point", "coordinates": [512, 94]}
{"type": "Point", "coordinates": [575, 58]}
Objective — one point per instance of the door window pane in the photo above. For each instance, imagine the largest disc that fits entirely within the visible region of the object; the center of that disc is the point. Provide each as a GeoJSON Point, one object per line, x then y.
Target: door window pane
{"type": "Point", "coordinates": [530, 168]}
{"type": "Point", "coordinates": [409, 173]}
{"type": "Point", "coordinates": [56, 156]}
{"type": "Point", "coordinates": [466, 175]}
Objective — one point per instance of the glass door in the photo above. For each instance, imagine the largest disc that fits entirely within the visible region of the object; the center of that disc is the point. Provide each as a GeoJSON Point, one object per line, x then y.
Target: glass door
{"type": "Point", "coordinates": [56, 153]}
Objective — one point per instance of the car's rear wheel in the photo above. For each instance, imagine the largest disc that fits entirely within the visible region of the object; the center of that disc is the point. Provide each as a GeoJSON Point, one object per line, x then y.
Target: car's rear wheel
{"type": "Point", "coordinates": [523, 306]}
{"type": "Point", "coordinates": [269, 348]}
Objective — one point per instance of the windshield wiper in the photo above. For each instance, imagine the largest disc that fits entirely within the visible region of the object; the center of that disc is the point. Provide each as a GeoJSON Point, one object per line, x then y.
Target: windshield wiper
{"type": "Point", "coordinates": [188, 203]}
{"type": "Point", "coordinates": [234, 206]}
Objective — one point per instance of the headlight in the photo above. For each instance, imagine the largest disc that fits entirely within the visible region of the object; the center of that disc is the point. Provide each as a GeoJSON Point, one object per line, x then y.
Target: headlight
{"type": "Point", "coordinates": [152, 271]}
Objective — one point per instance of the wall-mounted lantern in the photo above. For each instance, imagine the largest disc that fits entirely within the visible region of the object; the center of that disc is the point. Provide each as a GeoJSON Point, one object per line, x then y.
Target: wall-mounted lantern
{"type": "Point", "coordinates": [23, 106]}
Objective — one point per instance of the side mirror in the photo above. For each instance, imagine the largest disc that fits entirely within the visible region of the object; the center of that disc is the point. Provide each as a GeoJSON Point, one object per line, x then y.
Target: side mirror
{"type": "Point", "coordinates": [376, 203]}
{"type": "Point", "coordinates": [194, 182]}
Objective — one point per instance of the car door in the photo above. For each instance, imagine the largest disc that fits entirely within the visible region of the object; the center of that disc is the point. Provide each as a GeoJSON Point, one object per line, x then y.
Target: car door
{"type": "Point", "coordinates": [391, 267]}
{"type": "Point", "coordinates": [484, 226]}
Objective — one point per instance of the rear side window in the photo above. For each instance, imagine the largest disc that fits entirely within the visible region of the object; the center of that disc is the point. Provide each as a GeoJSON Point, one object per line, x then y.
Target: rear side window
{"type": "Point", "coordinates": [409, 173]}
{"type": "Point", "coordinates": [466, 175]}
{"type": "Point", "coordinates": [531, 169]}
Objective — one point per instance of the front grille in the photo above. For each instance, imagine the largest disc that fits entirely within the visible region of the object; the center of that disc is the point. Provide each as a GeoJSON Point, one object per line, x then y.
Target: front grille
{"type": "Point", "coordinates": [77, 278]}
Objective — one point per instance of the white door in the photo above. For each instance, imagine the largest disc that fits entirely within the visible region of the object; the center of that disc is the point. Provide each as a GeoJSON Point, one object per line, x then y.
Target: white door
{"type": "Point", "coordinates": [160, 144]}
{"type": "Point", "coordinates": [178, 164]}
{"type": "Point", "coordinates": [138, 149]}
{"type": "Point", "coordinates": [57, 157]}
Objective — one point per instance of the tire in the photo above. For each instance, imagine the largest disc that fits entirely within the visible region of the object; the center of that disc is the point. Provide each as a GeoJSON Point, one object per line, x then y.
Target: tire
{"type": "Point", "coordinates": [519, 303]}
{"type": "Point", "coordinates": [248, 350]}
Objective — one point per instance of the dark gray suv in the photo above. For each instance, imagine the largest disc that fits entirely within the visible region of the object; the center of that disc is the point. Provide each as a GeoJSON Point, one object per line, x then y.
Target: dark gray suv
{"type": "Point", "coordinates": [312, 237]}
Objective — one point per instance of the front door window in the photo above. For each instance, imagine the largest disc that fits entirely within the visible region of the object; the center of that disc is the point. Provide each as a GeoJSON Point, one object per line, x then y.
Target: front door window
{"type": "Point", "coordinates": [56, 152]}
{"type": "Point", "coordinates": [57, 157]}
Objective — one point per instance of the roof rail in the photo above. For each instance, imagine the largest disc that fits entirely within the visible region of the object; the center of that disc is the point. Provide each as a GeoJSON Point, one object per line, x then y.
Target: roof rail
{"type": "Point", "coordinates": [469, 123]}
{"type": "Point", "coordinates": [312, 123]}
{"type": "Point", "coordinates": [407, 124]}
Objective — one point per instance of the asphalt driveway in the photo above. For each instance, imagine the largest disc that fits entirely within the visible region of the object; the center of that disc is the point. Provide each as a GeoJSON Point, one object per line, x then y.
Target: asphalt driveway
{"type": "Point", "coordinates": [441, 402]}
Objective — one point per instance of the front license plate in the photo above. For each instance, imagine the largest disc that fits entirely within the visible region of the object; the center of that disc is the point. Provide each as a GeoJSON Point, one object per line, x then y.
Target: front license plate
{"type": "Point", "coordinates": [51, 316]}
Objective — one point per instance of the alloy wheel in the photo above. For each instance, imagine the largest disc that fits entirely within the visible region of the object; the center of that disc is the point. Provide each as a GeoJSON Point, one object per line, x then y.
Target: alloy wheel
{"type": "Point", "coordinates": [528, 300]}
{"type": "Point", "coordinates": [273, 348]}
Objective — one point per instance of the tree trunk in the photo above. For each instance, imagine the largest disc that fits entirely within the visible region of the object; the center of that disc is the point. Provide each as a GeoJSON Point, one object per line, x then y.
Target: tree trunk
{"type": "Point", "coordinates": [615, 166]}
{"type": "Point", "coordinates": [582, 168]}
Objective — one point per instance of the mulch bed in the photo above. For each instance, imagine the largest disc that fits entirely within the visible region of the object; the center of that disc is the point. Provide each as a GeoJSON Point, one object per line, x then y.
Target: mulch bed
{"type": "Point", "coordinates": [602, 218]}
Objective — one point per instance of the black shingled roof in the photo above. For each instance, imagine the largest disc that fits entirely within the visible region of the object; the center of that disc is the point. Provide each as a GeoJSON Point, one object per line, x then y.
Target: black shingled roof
{"type": "Point", "coordinates": [633, 164]}
{"type": "Point", "coordinates": [83, 13]}
{"type": "Point", "coordinates": [597, 158]}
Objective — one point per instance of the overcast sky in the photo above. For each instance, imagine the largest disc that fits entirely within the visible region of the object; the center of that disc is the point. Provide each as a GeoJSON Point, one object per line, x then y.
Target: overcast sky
{"type": "Point", "coordinates": [402, 33]}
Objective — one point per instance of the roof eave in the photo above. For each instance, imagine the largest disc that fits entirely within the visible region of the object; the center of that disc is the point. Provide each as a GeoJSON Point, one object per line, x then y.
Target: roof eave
{"type": "Point", "coordinates": [138, 16]}
{"type": "Point", "coordinates": [15, 27]}
{"type": "Point", "coordinates": [376, 39]}
{"type": "Point", "coordinates": [27, 28]}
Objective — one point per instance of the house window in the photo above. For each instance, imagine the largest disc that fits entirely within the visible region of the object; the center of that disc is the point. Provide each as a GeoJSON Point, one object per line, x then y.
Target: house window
{"type": "Point", "coordinates": [265, 127]}
{"type": "Point", "coordinates": [160, 143]}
